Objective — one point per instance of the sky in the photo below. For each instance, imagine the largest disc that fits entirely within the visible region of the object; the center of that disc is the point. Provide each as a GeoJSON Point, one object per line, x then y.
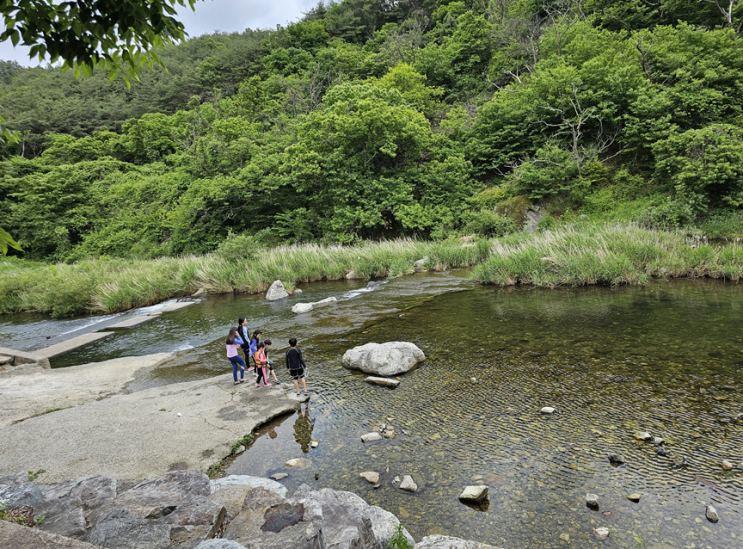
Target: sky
{"type": "Point", "coordinates": [210, 16]}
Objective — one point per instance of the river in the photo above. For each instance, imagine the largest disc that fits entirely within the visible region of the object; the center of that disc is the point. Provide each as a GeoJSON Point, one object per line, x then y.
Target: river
{"type": "Point", "coordinates": [666, 358]}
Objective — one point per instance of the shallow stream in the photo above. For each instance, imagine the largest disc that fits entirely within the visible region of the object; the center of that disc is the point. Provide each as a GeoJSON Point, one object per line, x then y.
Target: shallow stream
{"type": "Point", "coordinates": [666, 358]}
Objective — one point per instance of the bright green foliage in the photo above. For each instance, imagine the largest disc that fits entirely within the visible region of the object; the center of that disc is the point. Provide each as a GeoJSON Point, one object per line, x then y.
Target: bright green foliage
{"type": "Point", "coordinates": [371, 119]}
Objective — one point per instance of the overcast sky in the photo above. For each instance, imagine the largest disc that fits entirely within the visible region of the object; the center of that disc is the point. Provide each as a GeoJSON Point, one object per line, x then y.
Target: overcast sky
{"type": "Point", "coordinates": [210, 16]}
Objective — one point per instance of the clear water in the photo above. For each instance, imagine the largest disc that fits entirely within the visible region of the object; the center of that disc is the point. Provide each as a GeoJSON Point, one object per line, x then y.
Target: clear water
{"type": "Point", "coordinates": [665, 358]}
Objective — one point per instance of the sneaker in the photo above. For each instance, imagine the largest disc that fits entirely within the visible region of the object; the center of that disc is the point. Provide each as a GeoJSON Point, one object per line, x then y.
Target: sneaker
{"type": "Point", "coordinates": [251, 369]}
{"type": "Point", "coordinates": [267, 384]}
{"type": "Point", "coordinates": [305, 393]}
{"type": "Point", "coordinates": [257, 384]}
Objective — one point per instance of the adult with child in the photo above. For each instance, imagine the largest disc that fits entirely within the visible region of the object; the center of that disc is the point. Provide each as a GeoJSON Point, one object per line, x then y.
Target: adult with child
{"type": "Point", "coordinates": [232, 342]}
{"type": "Point", "coordinates": [242, 331]}
{"type": "Point", "coordinates": [296, 366]}
{"type": "Point", "coordinates": [260, 365]}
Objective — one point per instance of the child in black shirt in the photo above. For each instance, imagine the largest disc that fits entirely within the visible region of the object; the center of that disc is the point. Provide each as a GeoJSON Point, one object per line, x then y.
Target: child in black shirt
{"type": "Point", "coordinates": [296, 366]}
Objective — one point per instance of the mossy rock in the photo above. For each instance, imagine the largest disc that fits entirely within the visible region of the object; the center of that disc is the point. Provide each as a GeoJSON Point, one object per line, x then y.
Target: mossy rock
{"type": "Point", "coordinates": [515, 208]}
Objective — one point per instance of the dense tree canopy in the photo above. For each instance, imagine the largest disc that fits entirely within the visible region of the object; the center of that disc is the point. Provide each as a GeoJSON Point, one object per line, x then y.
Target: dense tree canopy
{"type": "Point", "coordinates": [370, 119]}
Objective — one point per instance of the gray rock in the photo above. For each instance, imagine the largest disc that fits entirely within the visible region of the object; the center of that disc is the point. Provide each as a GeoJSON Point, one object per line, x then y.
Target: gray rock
{"type": "Point", "coordinates": [371, 477]}
{"type": "Point", "coordinates": [448, 542]}
{"type": "Point", "coordinates": [616, 459]}
{"type": "Point", "coordinates": [15, 536]}
{"type": "Point", "coordinates": [420, 265]}
{"type": "Point", "coordinates": [531, 222]}
{"type": "Point", "coordinates": [21, 494]}
{"type": "Point", "coordinates": [383, 381]}
{"type": "Point", "coordinates": [192, 483]}
{"type": "Point", "coordinates": [297, 292]}
{"type": "Point", "coordinates": [547, 410]}
{"type": "Point", "coordinates": [231, 498]}
{"type": "Point", "coordinates": [643, 435]}
{"type": "Point", "coordinates": [658, 441]}
{"type": "Point", "coordinates": [198, 293]}
{"type": "Point", "coordinates": [89, 492]}
{"type": "Point", "coordinates": [240, 449]}
{"type": "Point", "coordinates": [326, 300]}
{"type": "Point", "coordinates": [712, 515]}
{"type": "Point", "coordinates": [276, 292]}
{"type": "Point", "coordinates": [474, 494]}
{"type": "Point", "coordinates": [4, 359]}
{"type": "Point", "coordinates": [592, 500]}
{"type": "Point", "coordinates": [661, 451]}
{"type": "Point", "coordinates": [119, 530]}
{"type": "Point", "coordinates": [408, 484]}
{"type": "Point", "coordinates": [13, 480]}
{"type": "Point", "coordinates": [253, 482]}
{"type": "Point", "coordinates": [726, 465]}
{"type": "Point", "coordinates": [302, 308]}
{"type": "Point", "coordinates": [373, 285]}
{"type": "Point", "coordinates": [279, 476]}
{"type": "Point", "coordinates": [601, 533]}
{"type": "Point", "coordinates": [371, 437]}
{"type": "Point", "coordinates": [383, 522]}
{"type": "Point", "coordinates": [385, 359]}
{"type": "Point", "coordinates": [219, 544]}
{"type": "Point", "coordinates": [61, 518]}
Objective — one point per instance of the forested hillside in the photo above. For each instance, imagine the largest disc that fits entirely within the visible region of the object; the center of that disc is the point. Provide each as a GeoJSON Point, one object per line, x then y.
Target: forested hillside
{"type": "Point", "coordinates": [374, 118]}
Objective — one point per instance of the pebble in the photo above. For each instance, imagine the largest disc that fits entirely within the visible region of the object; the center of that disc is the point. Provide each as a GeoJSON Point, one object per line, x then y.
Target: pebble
{"type": "Point", "coordinates": [371, 477]}
{"type": "Point", "coordinates": [727, 465]}
{"type": "Point", "coordinates": [601, 533]}
{"type": "Point", "coordinates": [712, 515]}
{"type": "Point", "coordinates": [408, 484]}
{"type": "Point", "coordinates": [547, 410]}
{"type": "Point", "coordinates": [634, 497]}
{"type": "Point", "coordinates": [473, 379]}
{"type": "Point", "coordinates": [592, 500]}
{"type": "Point", "coordinates": [565, 537]}
{"type": "Point", "coordinates": [279, 476]}
{"type": "Point", "coordinates": [616, 458]}
{"type": "Point", "coordinates": [658, 441]}
{"type": "Point", "coordinates": [179, 414]}
{"type": "Point", "coordinates": [314, 443]}
{"type": "Point", "coordinates": [474, 494]}
{"type": "Point", "coordinates": [240, 450]}
{"type": "Point", "coordinates": [371, 437]}
{"type": "Point", "coordinates": [661, 451]}
{"type": "Point", "coordinates": [643, 435]}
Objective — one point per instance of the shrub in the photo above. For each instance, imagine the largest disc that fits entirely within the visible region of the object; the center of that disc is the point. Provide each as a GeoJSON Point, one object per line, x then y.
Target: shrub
{"type": "Point", "coordinates": [488, 223]}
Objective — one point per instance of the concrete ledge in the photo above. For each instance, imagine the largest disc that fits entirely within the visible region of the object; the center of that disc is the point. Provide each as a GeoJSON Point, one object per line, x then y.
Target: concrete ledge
{"type": "Point", "coordinates": [383, 381]}
{"type": "Point", "coordinates": [176, 306]}
{"type": "Point", "coordinates": [69, 345]}
{"type": "Point", "coordinates": [132, 322]}
{"type": "Point", "coordinates": [18, 357]}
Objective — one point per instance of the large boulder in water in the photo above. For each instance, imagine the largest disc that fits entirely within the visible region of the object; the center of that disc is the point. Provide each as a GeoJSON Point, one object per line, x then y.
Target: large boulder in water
{"type": "Point", "coordinates": [384, 359]}
{"type": "Point", "coordinates": [276, 291]}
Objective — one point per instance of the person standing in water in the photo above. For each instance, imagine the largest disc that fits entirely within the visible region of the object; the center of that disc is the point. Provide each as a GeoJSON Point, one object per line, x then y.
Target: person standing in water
{"type": "Point", "coordinates": [254, 340]}
{"type": "Point", "coordinates": [296, 366]}
{"type": "Point", "coordinates": [232, 341]}
{"type": "Point", "coordinates": [269, 365]}
{"type": "Point", "coordinates": [242, 331]}
{"type": "Point", "coordinates": [260, 365]}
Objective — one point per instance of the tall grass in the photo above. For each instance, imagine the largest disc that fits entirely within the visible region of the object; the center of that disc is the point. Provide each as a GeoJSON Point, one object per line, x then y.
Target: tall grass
{"type": "Point", "coordinates": [605, 254]}
{"type": "Point", "coordinates": [110, 285]}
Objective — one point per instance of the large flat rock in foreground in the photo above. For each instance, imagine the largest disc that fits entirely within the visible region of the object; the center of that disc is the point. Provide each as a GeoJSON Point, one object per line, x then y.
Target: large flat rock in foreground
{"type": "Point", "coordinates": [130, 436]}
{"type": "Point", "coordinates": [23, 395]}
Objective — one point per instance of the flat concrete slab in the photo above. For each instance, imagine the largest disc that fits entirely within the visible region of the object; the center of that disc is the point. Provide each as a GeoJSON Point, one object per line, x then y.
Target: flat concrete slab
{"type": "Point", "coordinates": [132, 322]}
{"type": "Point", "coordinates": [15, 536]}
{"type": "Point", "coordinates": [384, 381]}
{"type": "Point", "coordinates": [18, 357]}
{"type": "Point", "coordinates": [70, 345]}
{"type": "Point", "coordinates": [140, 435]}
{"type": "Point", "coordinates": [176, 306]}
{"type": "Point", "coordinates": [24, 394]}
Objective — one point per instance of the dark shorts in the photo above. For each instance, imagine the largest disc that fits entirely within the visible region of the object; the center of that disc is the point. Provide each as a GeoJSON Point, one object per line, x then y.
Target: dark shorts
{"type": "Point", "coordinates": [296, 374]}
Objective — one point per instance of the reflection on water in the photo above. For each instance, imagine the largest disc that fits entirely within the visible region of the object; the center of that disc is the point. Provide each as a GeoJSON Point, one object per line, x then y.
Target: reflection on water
{"type": "Point", "coordinates": [666, 358]}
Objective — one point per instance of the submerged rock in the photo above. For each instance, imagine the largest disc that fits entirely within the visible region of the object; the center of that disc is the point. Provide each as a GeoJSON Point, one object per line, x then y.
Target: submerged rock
{"type": "Point", "coordinates": [279, 476]}
{"type": "Point", "coordinates": [547, 410]}
{"type": "Point", "coordinates": [643, 435]}
{"type": "Point", "coordinates": [385, 359]}
{"type": "Point", "coordinates": [370, 476]}
{"type": "Point", "coordinates": [371, 437]}
{"type": "Point", "coordinates": [474, 494]}
{"type": "Point", "coordinates": [408, 484]}
{"type": "Point", "coordinates": [712, 515]}
{"type": "Point", "coordinates": [616, 459]}
{"type": "Point", "coordinates": [601, 533]}
{"type": "Point", "coordinates": [592, 500]}
{"type": "Point", "coordinates": [727, 465]}
{"type": "Point", "coordinates": [661, 451]}
{"type": "Point", "coordinates": [658, 441]}
{"type": "Point", "coordinates": [634, 497]}
{"type": "Point", "coordinates": [276, 292]}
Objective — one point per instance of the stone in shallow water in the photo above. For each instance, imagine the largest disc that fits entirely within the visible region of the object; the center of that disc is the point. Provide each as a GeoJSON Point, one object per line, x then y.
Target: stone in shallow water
{"type": "Point", "coordinates": [547, 410]}
{"type": "Point", "coordinates": [634, 497]}
{"type": "Point", "coordinates": [370, 476]}
{"type": "Point", "coordinates": [371, 437]}
{"type": "Point", "coordinates": [712, 515]}
{"type": "Point", "coordinates": [601, 533]}
{"type": "Point", "coordinates": [661, 451]}
{"type": "Point", "coordinates": [727, 465]}
{"type": "Point", "coordinates": [658, 441]}
{"type": "Point", "coordinates": [302, 463]}
{"type": "Point", "coordinates": [592, 500]}
{"type": "Point", "coordinates": [474, 494]}
{"type": "Point", "coordinates": [276, 292]}
{"type": "Point", "coordinates": [279, 476]}
{"type": "Point", "coordinates": [616, 459]}
{"type": "Point", "coordinates": [408, 484]}
{"type": "Point", "coordinates": [643, 435]}
{"type": "Point", "coordinates": [383, 381]}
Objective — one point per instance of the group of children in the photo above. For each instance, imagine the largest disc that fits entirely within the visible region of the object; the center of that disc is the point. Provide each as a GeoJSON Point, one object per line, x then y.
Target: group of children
{"type": "Point", "coordinates": [258, 350]}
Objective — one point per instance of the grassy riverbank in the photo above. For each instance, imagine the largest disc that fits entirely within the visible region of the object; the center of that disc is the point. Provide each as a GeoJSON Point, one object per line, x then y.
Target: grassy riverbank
{"type": "Point", "coordinates": [605, 254]}
{"type": "Point", "coordinates": [109, 285]}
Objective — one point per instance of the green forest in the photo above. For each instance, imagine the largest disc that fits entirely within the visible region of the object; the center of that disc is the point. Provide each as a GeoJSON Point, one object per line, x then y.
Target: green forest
{"type": "Point", "coordinates": [378, 119]}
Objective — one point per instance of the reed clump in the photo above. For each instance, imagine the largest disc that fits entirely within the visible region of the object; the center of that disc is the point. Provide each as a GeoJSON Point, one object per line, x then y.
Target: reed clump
{"type": "Point", "coordinates": [605, 254]}
{"type": "Point", "coordinates": [110, 285]}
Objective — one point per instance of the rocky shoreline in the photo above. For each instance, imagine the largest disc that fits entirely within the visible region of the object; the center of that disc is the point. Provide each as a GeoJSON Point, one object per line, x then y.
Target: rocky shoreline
{"type": "Point", "coordinates": [82, 427]}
